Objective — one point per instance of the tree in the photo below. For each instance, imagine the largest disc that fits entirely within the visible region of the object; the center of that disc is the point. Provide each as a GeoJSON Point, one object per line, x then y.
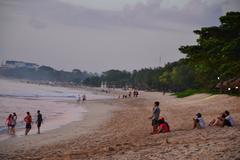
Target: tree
{"type": "Point", "coordinates": [217, 52]}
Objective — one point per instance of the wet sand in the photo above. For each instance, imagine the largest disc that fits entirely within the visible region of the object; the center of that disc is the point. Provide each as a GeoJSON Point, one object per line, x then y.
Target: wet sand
{"type": "Point", "coordinates": [119, 129]}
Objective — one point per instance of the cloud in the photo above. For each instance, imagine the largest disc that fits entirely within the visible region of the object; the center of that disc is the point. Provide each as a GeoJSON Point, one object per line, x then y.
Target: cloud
{"type": "Point", "coordinates": [97, 40]}
{"type": "Point", "coordinates": [148, 15]}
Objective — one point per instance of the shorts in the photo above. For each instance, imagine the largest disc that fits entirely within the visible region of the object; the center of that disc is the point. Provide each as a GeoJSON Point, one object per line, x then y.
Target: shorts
{"type": "Point", "coordinates": [39, 124]}
{"type": "Point", "coordinates": [10, 126]}
{"type": "Point", "coordinates": [227, 123]}
{"type": "Point", "coordinates": [28, 126]}
{"type": "Point", "coordinates": [155, 122]}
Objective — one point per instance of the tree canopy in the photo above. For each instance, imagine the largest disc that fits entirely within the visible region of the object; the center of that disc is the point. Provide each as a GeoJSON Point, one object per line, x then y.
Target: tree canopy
{"type": "Point", "coordinates": [217, 52]}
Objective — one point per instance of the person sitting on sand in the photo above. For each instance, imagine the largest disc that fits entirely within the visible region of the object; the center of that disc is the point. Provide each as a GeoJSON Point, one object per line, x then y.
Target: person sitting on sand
{"type": "Point", "coordinates": [28, 121]}
{"type": "Point", "coordinates": [163, 126]}
{"type": "Point", "coordinates": [9, 122]}
{"type": "Point", "coordinates": [219, 121]}
{"type": "Point", "coordinates": [198, 121]}
{"type": "Point", "coordinates": [228, 119]}
{"type": "Point", "coordinates": [14, 117]}
{"type": "Point", "coordinates": [39, 121]}
{"type": "Point", "coordinates": [155, 117]}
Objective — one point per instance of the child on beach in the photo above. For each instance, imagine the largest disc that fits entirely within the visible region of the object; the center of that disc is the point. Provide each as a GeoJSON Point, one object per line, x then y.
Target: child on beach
{"type": "Point", "coordinates": [155, 117]}
{"type": "Point", "coordinates": [28, 121]}
{"type": "Point", "coordinates": [39, 121]}
{"type": "Point", "coordinates": [9, 123]}
{"type": "Point", "coordinates": [163, 126]}
{"type": "Point", "coordinates": [198, 122]}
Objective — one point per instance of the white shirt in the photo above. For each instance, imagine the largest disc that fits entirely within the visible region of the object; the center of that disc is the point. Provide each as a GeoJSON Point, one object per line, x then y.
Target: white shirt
{"type": "Point", "coordinates": [201, 122]}
{"type": "Point", "coordinates": [230, 119]}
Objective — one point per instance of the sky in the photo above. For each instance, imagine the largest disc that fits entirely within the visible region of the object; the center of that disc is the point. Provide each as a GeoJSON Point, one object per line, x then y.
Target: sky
{"type": "Point", "coordinates": [98, 35]}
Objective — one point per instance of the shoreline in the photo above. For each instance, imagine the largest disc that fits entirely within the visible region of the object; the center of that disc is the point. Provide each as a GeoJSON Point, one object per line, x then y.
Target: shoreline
{"type": "Point", "coordinates": [124, 133]}
{"type": "Point", "coordinates": [57, 111]}
{"type": "Point", "coordinates": [63, 133]}
{"type": "Point", "coordinates": [60, 113]}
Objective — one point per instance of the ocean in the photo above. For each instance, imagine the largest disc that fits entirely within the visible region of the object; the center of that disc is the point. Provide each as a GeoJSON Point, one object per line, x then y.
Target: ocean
{"type": "Point", "coordinates": [57, 104]}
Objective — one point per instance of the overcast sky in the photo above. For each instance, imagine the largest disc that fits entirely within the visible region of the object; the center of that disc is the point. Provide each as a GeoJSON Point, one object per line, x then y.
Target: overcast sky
{"type": "Point", "coordinates": [97, 35]}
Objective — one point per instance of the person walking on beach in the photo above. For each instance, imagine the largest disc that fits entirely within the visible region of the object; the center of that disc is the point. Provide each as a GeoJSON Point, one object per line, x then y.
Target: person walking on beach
{"type": "Point", "coordinates": [14, 117]}
{"type": "Point", "coordinates": [84, 98]}
{"type": "Point", "coordinates": [39, 121]}
{"type": "Point", "coordinates": [9, 122]}
{"type": "Point", "coordinates": [155, 117]}
{"type": "Point", "coordinates": [28, 121]}
{"type": "Point", "coordinates": [135, 93]}
{"type": "Point", "coordinates": [129, 94]}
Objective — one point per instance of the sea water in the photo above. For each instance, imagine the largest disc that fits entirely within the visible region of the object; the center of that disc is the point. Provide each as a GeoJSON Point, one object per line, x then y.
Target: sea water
{"type": "Point", "coordinates": [57, 104]}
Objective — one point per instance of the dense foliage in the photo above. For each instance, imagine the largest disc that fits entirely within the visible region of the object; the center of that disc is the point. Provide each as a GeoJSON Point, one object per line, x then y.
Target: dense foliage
{"type": "Point", "coordinates": [217, 52]}
{"type": "Point", "coordinates": [174, 76]}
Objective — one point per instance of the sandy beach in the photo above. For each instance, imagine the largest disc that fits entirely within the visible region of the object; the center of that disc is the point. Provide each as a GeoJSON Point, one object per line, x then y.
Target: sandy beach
{"type": "Point", "coordinates": [120, 129]}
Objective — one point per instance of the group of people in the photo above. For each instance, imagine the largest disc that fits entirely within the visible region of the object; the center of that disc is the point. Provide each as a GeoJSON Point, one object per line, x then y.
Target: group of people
{"type": "Point", "coordinates": [224, 119]}
{"type": "Point", "coordinates": [11, 122]}
{"type": "Point", "coordinates": [158, 123]}
{"type": "Point", "coordinates": [83, 98]}
{"type": "Point", "coordinates": [135, 93]}
{"type": "Point", "coordinates": [161, 126]}
{"type": "Point", "coordinates": [130, 94]}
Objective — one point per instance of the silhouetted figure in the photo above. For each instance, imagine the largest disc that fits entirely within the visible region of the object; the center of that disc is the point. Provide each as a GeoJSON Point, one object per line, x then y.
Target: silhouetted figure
{"type": "Point", "coordinates": [84, 98]}
{"type": "Point", "coordinates": [39, 121]}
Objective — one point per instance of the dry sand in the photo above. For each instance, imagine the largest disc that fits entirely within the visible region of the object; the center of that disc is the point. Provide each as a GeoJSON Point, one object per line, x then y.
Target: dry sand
{"type": "Point", "coordinates": [110, 133]}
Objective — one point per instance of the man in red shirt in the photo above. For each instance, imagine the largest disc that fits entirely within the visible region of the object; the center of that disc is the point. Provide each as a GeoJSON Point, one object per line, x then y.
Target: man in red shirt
{"type": "Point", "coordinates": [28, 121]}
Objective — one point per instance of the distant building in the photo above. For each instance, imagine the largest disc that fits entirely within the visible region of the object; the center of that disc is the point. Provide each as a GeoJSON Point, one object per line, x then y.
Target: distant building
{"type": "Point", "coordinates": [19, 64]}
